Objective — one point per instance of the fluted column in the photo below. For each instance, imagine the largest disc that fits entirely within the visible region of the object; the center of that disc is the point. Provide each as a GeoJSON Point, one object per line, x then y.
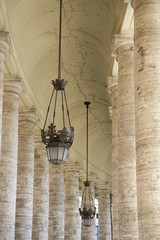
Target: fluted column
{"type": "Point", "coordinates": [25, 171]}
{"type": "Point", "coordinates": [112, 88]}
{"type": "Point", "coordinates": [104, 212]}
{"type": "Point", "coordinates": [41, 190]}
{"type": "Point", "coordinates": [56, 202]}
{"type": "Point", "coordinates": [4, 50]}
{"type": "Point", "coordinates": [147, 115]}
{"type": "Point", "coordinates": [89, 233]}
{"type": "Point", "coordinates": [127, 191]}
{"type": "Point", "coordinates": [8, 163]}
{"type": "Point", "coordinates": [72, 216]}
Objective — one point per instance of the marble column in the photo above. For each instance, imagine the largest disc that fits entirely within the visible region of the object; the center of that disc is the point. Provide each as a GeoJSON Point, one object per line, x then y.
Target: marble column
{"type": "Point", "coordinates": [72, 217]}
{"type": "Point", "coordinates": [8, 164]}
{"type": "Point", "coordinates": [147, 115]}
{"type": "Point", "coordinates": [112, 87]}
{"type": "Point", "coordinates": [4, 50]}
{"type": "Point", "coordinates": [41, 190]}
{"type": "Point", "coordinates": [127, 190]}
{"type": "Point", "coordinates": [25, 171]}
{"type": "Point", "coordinates": [104, 211]}
{"type": "Point", "coordinates": [89, 233]}
{"type": "Point", "coordinates": [56, 202]}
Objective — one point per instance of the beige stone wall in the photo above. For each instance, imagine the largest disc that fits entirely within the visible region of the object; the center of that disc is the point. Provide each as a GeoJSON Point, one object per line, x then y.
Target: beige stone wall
{"type": "Point", "coordinates": [41, 190]}
{"type": "Point", "coordinates": [72, 216]}
{"type": "Point", "coordinates": [25, 171]}
{"type": "Point", "coordinates": [8, 163]}
{"type": "Point", "coordinates": [56, 202]}
{"type": "Point", "coordinates": [147, 115]}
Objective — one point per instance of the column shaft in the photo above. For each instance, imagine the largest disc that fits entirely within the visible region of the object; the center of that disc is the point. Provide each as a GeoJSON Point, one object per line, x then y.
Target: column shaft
{"type": "Point", "coordinates": [147, 115]}
{"type": "Point", "coordinates": [41, 191]}
{"type": "Point", "coordinates": [113, 89]}
{"type": "Point", "coordinates": [127, 191]}
{"type": "Point", "coordinates": [72, 217]}
{"type": "Point", "coordinates": [104, 212]}
{"type": "Point", "coordinates": [8, 163]}
{"type": "Point", "coordinates": [4, 50]}
{"type": "Point", "coordinates": [56, 202]}
{"type": "Point", "coordinates": [25, 170]}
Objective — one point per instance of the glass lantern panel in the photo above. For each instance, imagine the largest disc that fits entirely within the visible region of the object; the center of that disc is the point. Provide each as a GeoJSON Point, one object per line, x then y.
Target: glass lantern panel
{"type": "Point", "coordinates": [57, 155]}
{"type": "Point", "coordinates": [52, 153]}
{"type": "Point", "coordinates": [87, 222]}
{"type": "Point", "coordinates": [65, 154]}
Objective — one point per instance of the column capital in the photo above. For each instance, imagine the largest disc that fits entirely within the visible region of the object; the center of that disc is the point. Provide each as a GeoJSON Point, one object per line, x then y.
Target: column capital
{"type": "Point", "coordinates": [29, 115]}
{"type": "Point", "coordinates": [5, 43]}
{"type": "Point", "coordinates": [72, 167]}
{"type": "Point", "coordinates": [92, 177]}
{"type": "Point", "coordinates": [111, 82]}
{"type": "Point", "coordinates": [124, 40]}
{"type": "Point", "coordinates": [37, 135]}
{"type": "Point", "coordinates": [13, 84]}
{"type": "Point", "coordinates": [105, 186]}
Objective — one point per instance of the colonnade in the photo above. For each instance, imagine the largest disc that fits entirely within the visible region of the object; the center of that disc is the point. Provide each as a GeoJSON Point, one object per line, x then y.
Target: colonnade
{"type": "Point", "coordinates": [38, 200]}
{"type": "Point", "coordinates": [135, 96]}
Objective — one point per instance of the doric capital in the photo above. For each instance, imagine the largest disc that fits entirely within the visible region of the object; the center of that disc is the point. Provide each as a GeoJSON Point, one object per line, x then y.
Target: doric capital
{"type": "Point", "coordinates": [13, 84]}
{"type": "Point", "coordinates": [5, 43]}
{"type": "Point", "coordinates": [28, 115]}
{"type": "Point", "coordinates": [72, 167]}
{"type": "Point", "coordinates": [92, 177]}
{"type": "Point", "coordinates": [37, 136]}
{"type": "Point", "coordinates": [111, 82]}
{"type": "Point", "coordinates": [123, 40]}
{"type": "Point", "coordinates": [105, 186]}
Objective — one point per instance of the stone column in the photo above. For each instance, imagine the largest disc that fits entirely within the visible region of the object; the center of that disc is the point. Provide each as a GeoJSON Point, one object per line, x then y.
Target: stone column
{"type": "Point", "coordinates": [8, 163]}
{"type": "Point", "coordinates": [56, 202]}
{"type": "Point", "coordinates": [127, 191]}
{"type": "Point", "coordinates": [41, 190]}
{"type": "Point", "coordinates": [89, 233]}
{"type": "Point", "coordinates": [25, 171]}
{"type": "Point", "coordinates": [147, 115]}
{"type": "Point", "coordinates": [4, 50]}
{"type": "Point", "coordinates": [112, 88]}
{"type": "Point", "coordinates": [104, 212]}
{"type": "Point", "coordinates": [72, 216]}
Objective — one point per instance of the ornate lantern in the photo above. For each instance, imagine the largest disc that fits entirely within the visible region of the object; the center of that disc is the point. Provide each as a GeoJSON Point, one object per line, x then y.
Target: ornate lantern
{"type": "Point", "coordinates": [87, 210]}
{"type": "Point", "coordinates": [58, 142]}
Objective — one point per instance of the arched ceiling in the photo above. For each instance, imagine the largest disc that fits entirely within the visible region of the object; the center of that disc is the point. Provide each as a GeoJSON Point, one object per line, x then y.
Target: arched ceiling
{"type": "Point", "coordinates": [87, 31]}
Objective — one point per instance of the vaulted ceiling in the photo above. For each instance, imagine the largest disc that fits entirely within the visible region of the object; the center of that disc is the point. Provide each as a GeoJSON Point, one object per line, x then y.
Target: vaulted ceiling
{"type": "Point", "coordinates": [87, 31]}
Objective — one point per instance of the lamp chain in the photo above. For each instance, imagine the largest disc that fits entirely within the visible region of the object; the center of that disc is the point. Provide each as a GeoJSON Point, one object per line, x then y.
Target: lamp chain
{"type": "Point", "coordinates": [87, 147]}
{"type": "Point", "coordinates": [60, 33]}
{"type": "Point", "coordinates": [48, 109]}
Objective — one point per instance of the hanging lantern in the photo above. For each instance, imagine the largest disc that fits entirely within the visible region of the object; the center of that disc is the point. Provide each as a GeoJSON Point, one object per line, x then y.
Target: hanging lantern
{"type": "Point", "coordinates": [87, 210]}
{"type": "Point", "coordinates": [58, 142]}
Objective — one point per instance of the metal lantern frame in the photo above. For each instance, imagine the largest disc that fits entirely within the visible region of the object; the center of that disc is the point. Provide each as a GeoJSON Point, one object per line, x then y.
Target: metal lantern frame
{"type": "Point", "coordinates": [87, 210]}
{"type": "Point", "coordinates": [58, 142]}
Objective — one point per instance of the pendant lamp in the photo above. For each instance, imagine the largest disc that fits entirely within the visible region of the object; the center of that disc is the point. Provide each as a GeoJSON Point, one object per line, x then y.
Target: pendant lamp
{"type": "Point", "coordinates": [87, 210]}
{"type": "Point", "coordinates": [58, 142]}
